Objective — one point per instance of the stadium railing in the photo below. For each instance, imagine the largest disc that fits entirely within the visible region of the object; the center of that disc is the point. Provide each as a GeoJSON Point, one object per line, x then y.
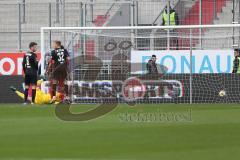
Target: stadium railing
{"type": "Point", "coordinates": [21, 22]}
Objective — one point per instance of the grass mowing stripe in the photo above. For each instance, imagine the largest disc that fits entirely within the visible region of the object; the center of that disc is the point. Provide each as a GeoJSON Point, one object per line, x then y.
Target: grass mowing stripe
{"type": "Point", "coordinates": [36, 133]}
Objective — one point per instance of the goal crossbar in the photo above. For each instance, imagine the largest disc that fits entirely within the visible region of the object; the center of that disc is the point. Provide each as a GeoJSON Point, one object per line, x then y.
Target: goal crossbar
{"type": "Point", "coordinates": [143, 27]}
{"type": "Point", "coordinates": [190, 27]}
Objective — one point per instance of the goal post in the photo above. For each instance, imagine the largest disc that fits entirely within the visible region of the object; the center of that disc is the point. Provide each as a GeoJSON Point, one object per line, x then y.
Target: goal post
{"type": "Point", "coordinates": [111, 62]}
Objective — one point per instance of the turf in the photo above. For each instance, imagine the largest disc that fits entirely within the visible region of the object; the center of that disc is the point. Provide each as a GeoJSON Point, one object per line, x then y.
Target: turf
{"type": "Point", "coordinates": [204, 132]}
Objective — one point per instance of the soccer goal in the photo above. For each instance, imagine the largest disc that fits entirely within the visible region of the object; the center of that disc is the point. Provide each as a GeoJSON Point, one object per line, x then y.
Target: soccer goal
{"type": "Point", "coordinates": [108, 64]}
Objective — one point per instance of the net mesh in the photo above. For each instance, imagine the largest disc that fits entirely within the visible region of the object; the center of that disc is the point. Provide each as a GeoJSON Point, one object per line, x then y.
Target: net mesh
{"type": "Point", "coordinates": [109, 65]}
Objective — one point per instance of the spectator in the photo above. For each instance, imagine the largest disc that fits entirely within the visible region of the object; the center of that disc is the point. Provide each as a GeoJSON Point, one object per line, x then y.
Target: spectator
{"type": "Point", "coordinates": [174, 20]}
{"type": "Point", "coordinates": [152, 66]}
{"type": "Point", "coordinates": [173, 17]}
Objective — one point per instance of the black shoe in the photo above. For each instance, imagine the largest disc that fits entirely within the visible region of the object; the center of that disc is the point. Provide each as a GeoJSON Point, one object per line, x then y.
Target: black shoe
{"type": "Point", "coordinates": [13, 88]}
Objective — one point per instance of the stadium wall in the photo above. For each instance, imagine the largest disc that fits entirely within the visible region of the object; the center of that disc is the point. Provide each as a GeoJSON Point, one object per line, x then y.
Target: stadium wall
{"type": "Point", "coordinates": [6, 95]}
{"type": "Point", "coordinates": [206, 88]}
{"type": "Point", "coordinates": [170, 88]}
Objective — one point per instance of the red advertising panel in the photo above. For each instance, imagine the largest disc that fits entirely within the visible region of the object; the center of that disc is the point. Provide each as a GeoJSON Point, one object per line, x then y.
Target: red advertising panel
{"type": "Point", "coordinates": [11, 63]}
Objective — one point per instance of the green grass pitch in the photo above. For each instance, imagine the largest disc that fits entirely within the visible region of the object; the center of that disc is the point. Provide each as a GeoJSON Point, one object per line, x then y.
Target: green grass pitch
{"type": "Point", "coordinates": [205, 132]}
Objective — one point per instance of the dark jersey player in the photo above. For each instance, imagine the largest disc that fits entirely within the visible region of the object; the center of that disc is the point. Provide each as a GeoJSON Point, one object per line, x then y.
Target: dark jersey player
{"type": "Point", "coordinates": [236, 62]}
{"type": "Point", "coordinates": [30, 70]}
{"type": "Point", "coordinates": [59, 65]}
{"type": "Point", "coordinates": [152, 66]}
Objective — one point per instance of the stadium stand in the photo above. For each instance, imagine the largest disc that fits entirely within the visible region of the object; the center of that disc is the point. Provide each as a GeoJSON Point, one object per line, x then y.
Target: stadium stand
{"type": "Point", "coordinates": [35, 14]}
{"type": "Point", "coordinates": [223, 17]}
{"type": "Point", "coordinates": [211, 14]}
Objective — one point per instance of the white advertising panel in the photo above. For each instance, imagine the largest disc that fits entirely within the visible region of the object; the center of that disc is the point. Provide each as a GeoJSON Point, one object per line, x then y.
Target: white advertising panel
{"type": "Point", "coordinates": [178, 61]}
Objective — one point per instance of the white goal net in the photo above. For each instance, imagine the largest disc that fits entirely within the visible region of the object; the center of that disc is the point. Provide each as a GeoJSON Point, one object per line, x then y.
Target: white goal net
{"type": "Point", "coordinates": [108, 64]}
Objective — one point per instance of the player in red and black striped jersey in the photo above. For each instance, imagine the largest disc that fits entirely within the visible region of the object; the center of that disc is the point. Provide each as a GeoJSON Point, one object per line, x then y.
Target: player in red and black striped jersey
{"type": "Point", "coordinates": [59, 65]}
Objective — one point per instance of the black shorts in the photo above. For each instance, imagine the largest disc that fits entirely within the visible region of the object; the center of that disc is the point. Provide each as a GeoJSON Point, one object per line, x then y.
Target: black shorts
{"type": "Point", "coordinates": [60, 73]}
{"type": "Point", "coordinates": [30, 80]}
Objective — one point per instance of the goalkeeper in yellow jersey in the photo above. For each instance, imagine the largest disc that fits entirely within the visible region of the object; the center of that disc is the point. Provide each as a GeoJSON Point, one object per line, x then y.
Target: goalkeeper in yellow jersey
{"type": "Point", "coordinates": [41, 97]}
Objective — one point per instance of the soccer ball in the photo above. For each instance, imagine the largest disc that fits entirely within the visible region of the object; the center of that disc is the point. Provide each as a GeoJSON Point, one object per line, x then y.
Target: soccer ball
{"type": "Point", "coordinates": [222, 93]}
